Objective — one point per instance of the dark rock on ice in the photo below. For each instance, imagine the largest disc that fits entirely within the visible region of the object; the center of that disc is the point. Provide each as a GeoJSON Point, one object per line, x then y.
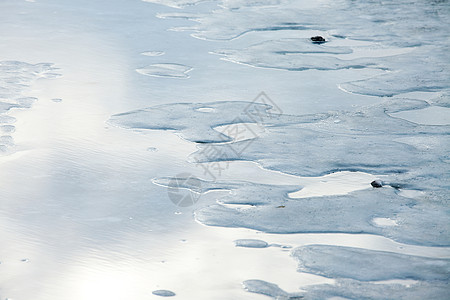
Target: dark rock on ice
{"type": "Point", "coordinates": [377, 183]}
{"type": "Point", "coordinates": [318, 39]}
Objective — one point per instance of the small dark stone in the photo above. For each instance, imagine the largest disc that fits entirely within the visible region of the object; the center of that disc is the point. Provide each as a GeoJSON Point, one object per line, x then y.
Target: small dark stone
{"type": "Point", "coordinates": [318, 39]}
{"type": "Point", "coordinates": [377, 183]}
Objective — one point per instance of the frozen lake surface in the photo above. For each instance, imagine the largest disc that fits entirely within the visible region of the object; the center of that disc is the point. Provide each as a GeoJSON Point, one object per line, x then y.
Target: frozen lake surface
{"type": "Point", "coordinates": [196, 149]}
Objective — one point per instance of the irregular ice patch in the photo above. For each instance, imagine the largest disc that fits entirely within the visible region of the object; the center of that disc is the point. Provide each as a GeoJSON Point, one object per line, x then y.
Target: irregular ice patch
{"type": "Point", "coordinates": [295, 55]}
{"type": "Point", "coordinates": [15, 78]}
{"type": "Point", "coordinates": [269, 289]}
{"type": "Point", "coordinates": [357, 142]}
{"type": "Point", "coordinates": [420, 25]}
{"type": "Point", "coordinates": [384, 222]}
{"type": "Point", "coordinates": [163, 293]}
{"type": "Point", "coordinates": [176, 3]}
{"type": "Point", "coordinates": [191, 120]}
{"type": "Point", "coordinates": [7, 128]}
{"type": "Point", "coordinates": [423, 70]}
{"type": "Point", "coordinates": [352, 289]}
{"type": "Point", "coordinates": [417, 224]}
{"type": "Point", "coordinates": [251, 243]}
{"type": "Point", "coordinates": [434, 115]}
{"type": "Point", "coordinates": [411, 156]}
{"type": "Point", "coordinates": [166, 70]}
{"type": "Point", "coordinates": [153, 53]}
{"type": "Point", "coordinates": [368, 265]}
{"type": "Point", "coordinates": [443, 99]}
{"type": "Point", "coordinates": [239, 191]}
{"type": "Point", "coordinates": [339, 183]}
{"type": "Point", "coordinates": [367, 20]}
{"type": "Point", "coordinates": [272, 211]}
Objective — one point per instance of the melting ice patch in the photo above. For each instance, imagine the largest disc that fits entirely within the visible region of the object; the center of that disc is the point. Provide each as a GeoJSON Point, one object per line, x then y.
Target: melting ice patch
{"type": "Point", "coordinates": [411, 72]}
{"type": "Point", "coordinates": [395, 25]}
{"type": "Point", "coordinates": [443, 99]}
{"type": "Point", "coordinates": [166, 70]}
{"type": "Point", "coordinates": [269, 289]}
{"type": "Point", "coordinates": [192, 121]}
{"type": "Point", "coordinates": [367, 139]}
{"type": "Point", "coordinates": [352, 289]}
{"type": "Point", "coordinates": [363, 274]}
{"type": "Point", "coordinates": [163, 293]}
{"type": "Point", "coordinates": [425, 69]}
{"type": "Point", "coordinates": [295, 55]}
{"type": "Point", "coordinates": [409, 156]}
{"type": "Point", "coordinates": [239, 191]}
{"type": "Point", "coordinates": [153, 53]}
{"type": "Point", "coordinates": [417, 223]}
{"type": "Point", "coordinates": [358, 142]}
{"type": "Point", "coordinates": [271, 210]}
{"type": "Point", "coordinates": [363, 20]}
{"type": "Point", "coordinates": [176, 3]}
{"type": "Point", "coordinates": [15, 78]}
{"type": "Point", "coordinates": [434, 115]}
{"type": "Point", "coordinates": [251, 243]}
{"type": "Point", "coordinates": [368, 265]}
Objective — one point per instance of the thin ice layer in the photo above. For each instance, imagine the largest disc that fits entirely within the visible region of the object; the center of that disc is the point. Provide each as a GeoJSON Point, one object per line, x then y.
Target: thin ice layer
{"type": "Point", "coordinates": [15, 78]}
{"type": "Point", "coordinates": [176, 3]}
{"type": "Point", "coordinates": [368, 265]}
{"type": "Point", "coordinates": [364, 140]}
{"type": "Point", "coordinates": [251, 243]}
{"type": "Point", "coordinates": [295, 55]}
{"type": "Point", "coordinates": [356, 212]}
{"type": "Point", "coordinates": [352, 289]}
{"type": "Point", "coordinates": [262, 194]}
{"type": "Point", "coordinates": [423, 70]}
{"type": "Point", "coordinates": [193, 121]}
{"type": "Point", "coordinates": [362, 20]}
{"type": "Point", "coordinates": [391, 25]}
{"type": "Point", "coordinates": [416, 222]}
{"type": "Point", "coordinates": [443, 99]}
{"type": "Point", "coordinates": [165, 70]}
{"type": "Point", "coordinates": [413, 156]}
{"type": "Point", "coordinates": [269, 289]}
